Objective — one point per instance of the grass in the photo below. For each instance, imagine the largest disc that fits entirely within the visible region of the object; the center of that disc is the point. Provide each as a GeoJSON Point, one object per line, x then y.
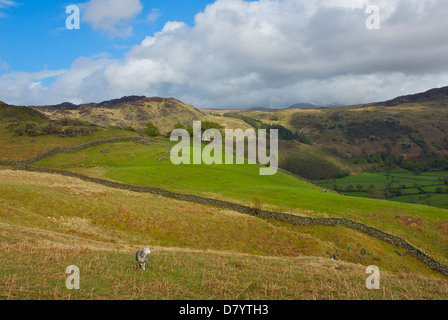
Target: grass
{"type": "Point", "coordinates": [406, 182]}
{"type": "Point", "coordinates": [21, 113]}
{"type": "Point", "coordinates": [185, 275]}
{"type": "Point", "coordinates": [97, 213]}
{"type": "Point", "coordinates": [17, 148]}
{"type": "Point", "coordinates": [150, 166]}
{"type": "Point", "coordinates": [198, 252]}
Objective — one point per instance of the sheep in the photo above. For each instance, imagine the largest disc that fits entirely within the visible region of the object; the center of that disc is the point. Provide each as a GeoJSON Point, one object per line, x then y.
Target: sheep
{"type": "Point", "coordinates": [142, 258]}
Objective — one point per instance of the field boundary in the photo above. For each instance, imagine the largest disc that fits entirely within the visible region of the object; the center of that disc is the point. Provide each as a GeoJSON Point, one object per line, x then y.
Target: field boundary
{"type": "Point", "coordinates": [263, 214]}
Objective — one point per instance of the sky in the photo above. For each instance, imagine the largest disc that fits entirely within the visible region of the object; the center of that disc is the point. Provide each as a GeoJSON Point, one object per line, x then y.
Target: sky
{"type": "Point", "coordinates": [223, 53]}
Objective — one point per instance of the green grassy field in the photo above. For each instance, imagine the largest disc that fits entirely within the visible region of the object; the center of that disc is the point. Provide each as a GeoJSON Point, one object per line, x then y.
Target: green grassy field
{"type": "Point", "coordinates": [196, 275]}
{"type": "Point", "coordinates": [150, 166]}
{"type": "Point", "coordinates": [412, 188]}
{"type": "Point", "coordinates": [21, 147]}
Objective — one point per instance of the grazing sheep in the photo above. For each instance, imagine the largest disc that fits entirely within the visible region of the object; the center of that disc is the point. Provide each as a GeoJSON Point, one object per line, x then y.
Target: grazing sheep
{"type": "Point", "coordinates": [142, 257]}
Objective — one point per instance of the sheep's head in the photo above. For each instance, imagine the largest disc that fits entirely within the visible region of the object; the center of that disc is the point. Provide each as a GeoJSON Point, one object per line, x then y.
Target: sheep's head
{"type": "Point", "coordinates": [146, 251]}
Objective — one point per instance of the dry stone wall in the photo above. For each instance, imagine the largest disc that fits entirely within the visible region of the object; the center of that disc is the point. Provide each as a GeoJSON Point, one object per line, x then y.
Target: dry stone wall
{"type": "Point", "coordinates": [284, 217]}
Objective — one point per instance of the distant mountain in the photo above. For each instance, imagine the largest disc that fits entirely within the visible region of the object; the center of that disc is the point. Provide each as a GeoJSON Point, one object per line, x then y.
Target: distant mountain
{"type": "Point", "coordinates": [403, 130]}
{"type": "Point", "coordinates": [135, 111]}
{"type": "Point", "coordinates": [260, 109]}
{"type": "Point", "coordinates": [303, 106]}
{"type": "Point", "coordinates": [437, 94]}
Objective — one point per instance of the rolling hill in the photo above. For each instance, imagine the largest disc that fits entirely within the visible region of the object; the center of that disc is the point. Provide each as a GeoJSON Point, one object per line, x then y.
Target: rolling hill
{"type": "Point", "coordinates": [8, 112]}
{"type": "Point", "coordinates": [406, 128]}
{"type": "Point", "coordinates": [436, 94]}
{"type": "Point", "coordinates": [134, 111]}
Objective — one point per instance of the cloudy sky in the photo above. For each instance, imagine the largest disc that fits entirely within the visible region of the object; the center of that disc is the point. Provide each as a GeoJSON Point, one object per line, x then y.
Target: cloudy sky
{"type": "Point", "coordinates": [223, 53]}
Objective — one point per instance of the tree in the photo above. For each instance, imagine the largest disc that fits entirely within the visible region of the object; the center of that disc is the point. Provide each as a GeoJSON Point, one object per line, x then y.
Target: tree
{"type": "Point", "coordinates": [205, 125]}
{"type": "Point", "coordinates": [129, 128]}
{"type": "Point", "coordinates": [439, 190]}
{"type": "Point", "coordinates": [374, 193]}
{"type": "Point", "coordinates": [179, 126]}
{"type": "Point", "coordinates": [446, 181]}
{"type": "Point", "coordinates": [349, 188]}
{"type": "Point", "coordinates": [151, 130]}
{"type": "Point", "coordinates": [359, 187]}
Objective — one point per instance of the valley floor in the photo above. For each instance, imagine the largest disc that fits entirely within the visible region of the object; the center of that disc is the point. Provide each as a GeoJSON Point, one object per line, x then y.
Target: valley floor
{"type": "Point", "coordinates": [428, 188]}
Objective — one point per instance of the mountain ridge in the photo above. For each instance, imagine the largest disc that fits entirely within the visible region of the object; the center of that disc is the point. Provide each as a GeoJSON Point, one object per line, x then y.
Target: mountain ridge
{"type": "Point", "coordinates": [434, 94]}
{"type": "Point", "coordinates": [128, 111]}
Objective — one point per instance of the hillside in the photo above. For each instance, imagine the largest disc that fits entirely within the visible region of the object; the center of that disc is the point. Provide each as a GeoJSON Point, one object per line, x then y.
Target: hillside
{"type": "Point", "coordinates": [149, 165]}
{"type": "Point", "coordinates": [437, 94]}
{"type": "Point", "coordinates": [412, 128]}
{"type": "Point", "coordinates": [48, 222]}
{"type": "Point", "coordinates": [134, 111]}
{"type": "Point", "coordinates": [18, 113]}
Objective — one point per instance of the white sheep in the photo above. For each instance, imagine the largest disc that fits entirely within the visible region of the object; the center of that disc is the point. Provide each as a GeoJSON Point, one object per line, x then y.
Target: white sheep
{"type": "Point", "coordinates": [142, 257]}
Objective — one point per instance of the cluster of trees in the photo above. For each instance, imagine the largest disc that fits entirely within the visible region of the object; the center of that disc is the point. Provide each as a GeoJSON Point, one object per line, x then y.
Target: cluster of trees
{"type": "Point", "coordinates": [283, 133]}
{"type": "Point", "coordinates": [250, 121]}
{"type": "Point", "coordinates": [63, 128]}
{"type": "Point", "coordinates": [388, 161]}
{"type": "Point", "coordinates": [387, 128]}
{"type": "Point", "coordinates": [152, 130]}
{"type": "Point", "coordinates": [388, 191]}
{"type": "Point", "coordinates": [312, 168]}
{"type": "Point", "coordinates": [205, 125]}
{"type": "Point", "coordinates": [371, 191]}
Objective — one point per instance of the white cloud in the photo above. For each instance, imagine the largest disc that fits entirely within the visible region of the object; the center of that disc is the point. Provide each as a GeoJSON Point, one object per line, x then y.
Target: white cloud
{"type": "Point", "coordinates": [3, 65]}
{"type": "Point", "coordinates": [4, 4]}
{"type": "Point", "coordinates": [270, 53]}
{"type": "Point", "coordinates": [7, 3]}
{"type": "Point", "coordinates": [243, 53]}
{"type": "Point", "coordinates": [18, 88]}
{"type": "Point", "coordinates": [112, 17]}
{"type": "Point", "coordinates": [83, 82]}
{"type": "Point", "coordinates": [153, 15]}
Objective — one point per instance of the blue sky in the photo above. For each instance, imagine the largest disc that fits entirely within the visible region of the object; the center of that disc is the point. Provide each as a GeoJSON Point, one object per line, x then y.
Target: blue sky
{"type": "Point", "coordinates": [33, 35]}
{"type": "Point", "coordinates": [222, 53]}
